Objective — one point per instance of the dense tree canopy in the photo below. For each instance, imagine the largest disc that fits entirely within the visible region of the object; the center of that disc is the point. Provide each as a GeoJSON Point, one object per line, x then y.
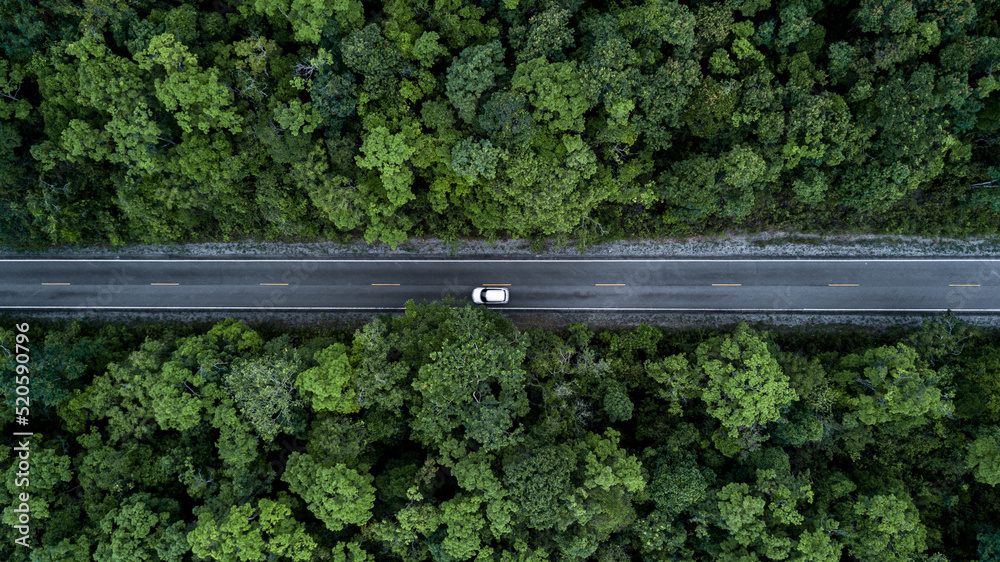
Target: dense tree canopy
{"type": "Point", "coordinates": [170, 120]}
{"type": "Point", "coordinates": [446, 433]}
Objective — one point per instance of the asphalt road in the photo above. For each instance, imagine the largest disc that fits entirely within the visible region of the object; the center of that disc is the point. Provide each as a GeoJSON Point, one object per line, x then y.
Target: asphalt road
{"type": "Point", "coordinates": [684, 285]}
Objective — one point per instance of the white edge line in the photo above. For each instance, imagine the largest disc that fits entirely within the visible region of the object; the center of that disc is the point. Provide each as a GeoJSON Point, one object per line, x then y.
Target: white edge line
{"type": "Point", "coordinates": [553, 260]}
{"type": "Point", "coordinates": [720, 310]}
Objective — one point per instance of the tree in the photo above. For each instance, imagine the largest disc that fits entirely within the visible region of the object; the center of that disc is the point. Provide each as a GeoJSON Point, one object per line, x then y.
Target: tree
{"type": "Point", "coordinates": [702, 186]}
{"type": "Point", "coordinates": [542, 195]}
{"type": "Point", "coordinates": [475, 158]}
{"type": "Point", "coordinates": [122, 395]}
{"type": "Point", "coordinates": [616, 403]}
{"type": "Point", "coordinates": [984, 456]}
{"type": "Point", "coordinates": [477, 386]}
{"type": "Point", "coordinates": [371, 57]}
{"type": "Point", "coordinates": [656, 22]}
{"type": "Point", "coordinates": [336, 495]}
{"type": "Point", "coordinates": [237, 446]}
{"type": "Point", "coordinates": [506, 119]}
{"type": "Point", "coordinates": [465, 526]}
{"type": "Point", "coordinates": [680, 381]}
{"type": "Point", "coordinates": [328, 384]}
{"type": "Point", "coordinates": [662, 97]}
{"type": "Point", "coordinates": [746, 387]}
{"type": "Point", "coordinates": [334, 96]}
{"type": "Point", "coordinates": [22, 29]}
{"type": "Point", "coordinates": [602, 502]}
{"type": "Point", "coordinates": [555, 91]}
{"type": "Point", "coordinates": [247, 532]}
{"type": "Point", "coordinates": [49, 469]}
{"type": "Point", "coordinates": [388, 154]}
{"type": "Point", "coordinates": [942, 337]}
{"type": "Point", "coordinates": [263, 389]}
{"type": "Point", "coordinates": [427, 49]}
{"type": "Point", "coordinates": [198, 97]}
{"type": "Point", "coordinates": [461, 24]}
{"type": "Point", "coordinates": [473, 73]}
{"type": "Point", "coordinates": [715, 21]}
{"type": "Point", "coordinates": [817, 546]}
{"type": "Point", "coordinates": [306, 17]}
{"type": "Point", "coordinates": [899, 389]}
{"type": "Point", "coordinates": [143, 528]}
{"type": "Point", "coordinates": [989, 546]}
{"type": "Point", "coordinates": [547, 34]}
{"type": "Point", "coordinates": [114, 87]}
{"type": "Point", "coordinates": [710, 109]}
{"type": "Point", "coordinates": [795, 24]}
{"type": "Point", "coordinates": [888, 528]}
{"type": "Point", "coordinates": [382, 384]}
{"type": "Point", "coordinates": [742, 513]}
{"type": "Point", "coordinates": [537, 480]}
{"type": "Point", "coordinates": [475, 474]}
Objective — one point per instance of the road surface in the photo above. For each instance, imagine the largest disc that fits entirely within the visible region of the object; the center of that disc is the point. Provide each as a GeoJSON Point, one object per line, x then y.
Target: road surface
{"type": "Point", "coordinates": [970, 286]}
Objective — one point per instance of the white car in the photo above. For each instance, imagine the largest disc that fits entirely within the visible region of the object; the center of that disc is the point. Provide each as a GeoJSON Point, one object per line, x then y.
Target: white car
{"type": "Point", "coordinates": [489, 295]}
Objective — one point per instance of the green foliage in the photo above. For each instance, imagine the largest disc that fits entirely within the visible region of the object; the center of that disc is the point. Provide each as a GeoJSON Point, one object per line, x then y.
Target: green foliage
{"type": "Point", "coordinates": [328, 384]}
{"type": "Point", "coordinates": [741, 513]}
{"type": "Point", "coordinates": [47, 473]}
{"type": "Point", "coordinates": [662, 97]}
{"type": "Point", "coordinates": [616, 403]}
{"type": "Point", "coordinates": [445, 432]}
{"type": "Point", "coordinates": [555, 92]}
{"type": "Point", "coordinates": [714, 23]}
{"type": "Point", "coordinates": [248, 532]}
{"type": "Point", "coordinates": [198, 122]}
{"type": "Point", "coordinates": [306, 17]}
{"type": "Point", "coordinates": [371, 57]}
{"type": "Point", "coordinates": [989, 546]}
{"type": "Point", "coordinates": [143, 528]}
{"type": "Point", "coordinates": [537, 481]}
{"type": "Point", "coordinates": [477, 386]}
{"type": "Point", "coordinates": [475, 158]}
{"type": "Point", "coordinates": [388, 154]}
{"type": "Point", "coordinates": [198, 97]}
{"type": "Point", "coordinates": [336, 495]}
{"type": "Point", "coordinates": [506, 119]}
{"type": "Point", "coordinates": [473, 73]}
{"type": "Point", "coordinates": [746, 387]}
{"type": "Point", "coordinates": [657, 22]}
{"type": "Point", "coordinates": [795, 24]}
{"type": "Point", "coordinates": [541, 195]}
{"type": "Point", "coordinates": [897, 388]}
{"type": "Point", "coordinates": [262, 388]}
{"type": "Point", "coordinates": [984, 456]}
{"type": "Point", "coordinates": [888, 528]}
{"type": "Point", "coordinates": [547, 34]}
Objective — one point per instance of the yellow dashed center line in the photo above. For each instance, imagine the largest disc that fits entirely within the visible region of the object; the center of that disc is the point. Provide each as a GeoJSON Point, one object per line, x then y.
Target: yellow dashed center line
{"type": "Point", "coordinates": [609, 284]}
{"type": "Point", "coordinates": [842, 284]}
{"type": "Point", "coordinates": [164, 283]}
{"type": "Point", "coordinates": [954, 285]}
{"type": "Point", "coordinates": [385, 284]}
{"type": "Point", "coordinates": [496, 284]}
{"type": "Point", "coordinates": [282, 284]}
{"type": "Point", "coordinates": [55, 283]}
{"type": "Point", "coordinates": [727, 284]}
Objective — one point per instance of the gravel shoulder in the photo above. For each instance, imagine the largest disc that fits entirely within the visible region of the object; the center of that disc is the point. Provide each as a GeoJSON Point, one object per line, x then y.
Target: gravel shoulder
{"type": "Point", "coordinates": [774, 244]}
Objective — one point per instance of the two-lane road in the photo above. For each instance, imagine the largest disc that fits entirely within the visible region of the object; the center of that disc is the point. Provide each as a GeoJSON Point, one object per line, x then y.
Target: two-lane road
{"type": "Point", "coordinates": [683, 285]}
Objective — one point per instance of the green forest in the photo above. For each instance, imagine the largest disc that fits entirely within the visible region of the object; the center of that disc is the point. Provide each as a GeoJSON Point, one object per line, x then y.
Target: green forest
{"type": "Point", "coordinates": [446, 433]}
{"type": "Point", "coordinates": [155, 121]}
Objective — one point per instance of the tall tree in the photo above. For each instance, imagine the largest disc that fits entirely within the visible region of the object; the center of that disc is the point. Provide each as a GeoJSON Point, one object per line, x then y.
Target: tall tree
{"type": "Point", "coordinates": [746, 387]}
